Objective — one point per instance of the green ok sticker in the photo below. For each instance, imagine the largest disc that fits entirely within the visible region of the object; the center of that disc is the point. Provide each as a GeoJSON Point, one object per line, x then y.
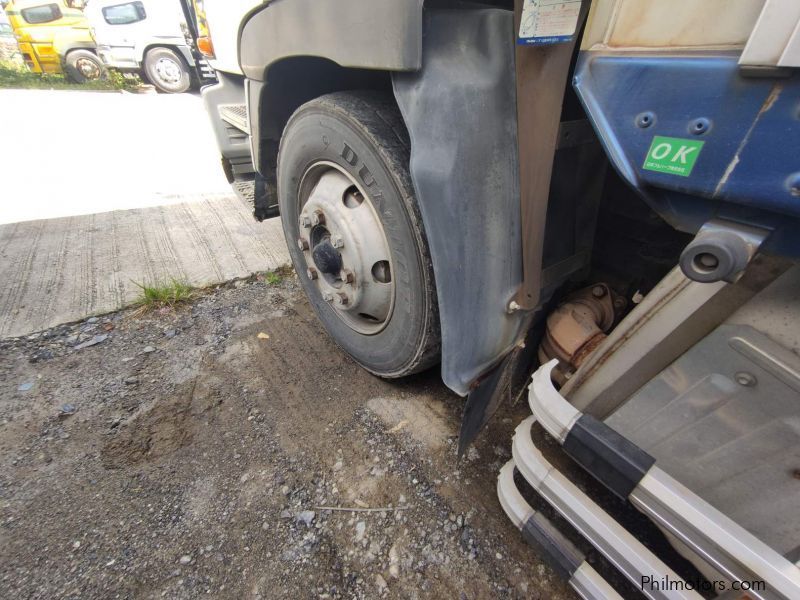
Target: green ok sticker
{"type": "Point", "coordinates": [674, 156]}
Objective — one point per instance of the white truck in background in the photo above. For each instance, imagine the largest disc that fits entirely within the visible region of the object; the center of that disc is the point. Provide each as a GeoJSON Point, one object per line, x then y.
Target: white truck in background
{"type": "Point", "coordinates": [153, 38]}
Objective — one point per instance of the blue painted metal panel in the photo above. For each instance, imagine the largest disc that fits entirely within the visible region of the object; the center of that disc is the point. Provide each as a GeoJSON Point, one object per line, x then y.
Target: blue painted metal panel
{"type": "Point", "coordinates": [749, 167]}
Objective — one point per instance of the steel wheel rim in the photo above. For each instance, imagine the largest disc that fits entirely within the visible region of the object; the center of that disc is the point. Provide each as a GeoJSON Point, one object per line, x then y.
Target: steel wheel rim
{"type": "Point", "coordinates": [168, 71]}
{"type": "Point", "coordinates": [345, 248]}
{"type": "Point", "coordinates": [88, 68]}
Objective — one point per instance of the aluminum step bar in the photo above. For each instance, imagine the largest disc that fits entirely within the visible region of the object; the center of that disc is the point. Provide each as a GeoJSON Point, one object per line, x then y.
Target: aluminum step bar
{"type": "Point", "coordinates": [540, 533]}
{"type": "Point", "coordinates": [623, 550]}
{"type": "Point", "coordinates": [630, 473]}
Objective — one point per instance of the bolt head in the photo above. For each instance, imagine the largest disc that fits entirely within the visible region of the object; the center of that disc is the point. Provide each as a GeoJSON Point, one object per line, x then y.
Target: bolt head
{"type": "Point", "coordinates": [598, 291]}
{"type": "Point", "coordinates": [347, 276]}
{"type": "Point", "coordinates": [302, 244]}
{"type": "Point", "coordinates": [342, 299]}
{"type": "Point", "coordinates": [745, 379]}
{"type": "Point", "coordinates": [337, 241]}
{"type": "Point", "coordinates": [513, 306]}
{"type": "Point", "coordinates": [318, 217]}
{"type": "Point", "coordinates": [312, 273]}
{"type": "Point", "coordinates": [305, 221]}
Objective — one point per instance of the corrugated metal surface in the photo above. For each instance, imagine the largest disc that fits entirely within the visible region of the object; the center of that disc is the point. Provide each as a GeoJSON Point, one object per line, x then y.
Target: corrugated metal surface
{"type": "Point", "coordinates": [724, 419]}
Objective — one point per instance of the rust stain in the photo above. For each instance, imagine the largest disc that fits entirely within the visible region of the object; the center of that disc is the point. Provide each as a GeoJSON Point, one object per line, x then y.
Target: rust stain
{"type": "Point", "coordinates": [603, 358]}
{"type": "Point", "coordinates": [774, 94]}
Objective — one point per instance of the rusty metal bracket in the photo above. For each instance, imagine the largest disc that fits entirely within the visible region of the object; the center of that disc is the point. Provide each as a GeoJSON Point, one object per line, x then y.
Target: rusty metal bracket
{"type": "Point", "coordinates": [541, 74]}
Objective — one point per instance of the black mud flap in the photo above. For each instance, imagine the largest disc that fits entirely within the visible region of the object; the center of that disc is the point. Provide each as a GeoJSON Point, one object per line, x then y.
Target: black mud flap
{"type": "Point", "coordinates": [507, 381]}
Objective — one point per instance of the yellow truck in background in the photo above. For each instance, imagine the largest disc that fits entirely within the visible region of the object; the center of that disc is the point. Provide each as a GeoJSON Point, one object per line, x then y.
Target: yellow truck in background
{"type": "Point", "coordinates": [55, 37]}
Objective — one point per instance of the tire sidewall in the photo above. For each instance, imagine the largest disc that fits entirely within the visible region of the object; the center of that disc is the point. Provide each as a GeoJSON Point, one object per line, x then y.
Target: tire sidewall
{"type": "Point", "coordinates": [152, 57]}
{"type": "Point", "coordinates": [317, 134]}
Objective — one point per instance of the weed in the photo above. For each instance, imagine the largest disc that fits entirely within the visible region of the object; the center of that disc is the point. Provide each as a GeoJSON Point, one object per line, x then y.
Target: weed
{"type": "Point", "coordinates": [162, 295]}
{"type": "Point", "coordinates": [273, 278]}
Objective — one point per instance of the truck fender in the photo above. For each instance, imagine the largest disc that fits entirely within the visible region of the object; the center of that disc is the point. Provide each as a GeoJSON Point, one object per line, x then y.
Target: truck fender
{"type": "Point", "coordinates": [460, 110]}
{"type": "Point", "coordinates": [381, 34]}
{"type": "Point", "coordinates": [65, 42]}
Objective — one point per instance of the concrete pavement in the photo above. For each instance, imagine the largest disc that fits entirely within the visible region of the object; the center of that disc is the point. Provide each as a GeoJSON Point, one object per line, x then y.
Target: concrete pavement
{"type": "Point", "coordinates": [60, 270]}
{"type": "Point", "coordinates": [71, 161]}
{"type": "Point", "coordinates": [65, 153]}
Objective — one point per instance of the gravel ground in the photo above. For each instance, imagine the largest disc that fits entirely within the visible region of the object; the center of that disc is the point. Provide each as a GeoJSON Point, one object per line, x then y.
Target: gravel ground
{"type": "Point", "coordinates": [201, 452]}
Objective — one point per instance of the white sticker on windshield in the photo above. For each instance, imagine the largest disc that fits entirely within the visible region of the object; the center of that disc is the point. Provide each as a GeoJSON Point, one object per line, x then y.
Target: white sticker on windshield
{"type": "Point", "coordinates": [548, 21]}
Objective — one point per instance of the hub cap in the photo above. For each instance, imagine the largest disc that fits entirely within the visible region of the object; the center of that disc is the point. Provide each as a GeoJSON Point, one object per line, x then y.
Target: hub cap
{"type": "Point", "coordinates": [168, 70]}
{"type": "Point", "coordinates": [345, 248]}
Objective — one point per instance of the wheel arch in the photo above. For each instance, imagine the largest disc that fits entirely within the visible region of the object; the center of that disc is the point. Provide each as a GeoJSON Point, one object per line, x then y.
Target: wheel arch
{"type": "Point", "coordinates": [388, 36]}
{"type": "Point", "coordinates": [66, 49]}
{"type": "Point", "coordinates": [289, 83]}
{"type": "Point", "coordinates": [293, 52]}
{"type": "Point", "coordinates": [182, 52]}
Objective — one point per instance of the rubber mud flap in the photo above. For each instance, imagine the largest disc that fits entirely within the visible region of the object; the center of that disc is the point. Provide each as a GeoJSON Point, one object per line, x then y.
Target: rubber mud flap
{"type": "Point", "coordinates": [460, 110]}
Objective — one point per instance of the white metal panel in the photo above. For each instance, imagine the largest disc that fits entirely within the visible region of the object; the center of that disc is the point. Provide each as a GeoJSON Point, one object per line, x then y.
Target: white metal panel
{"type": "Point", "coordinates": [224, 19]}
{"type": "Point", "coordinates": [791, 56]}
{"type": "Point", "coordinates": [773, 31]}
{"type": "Point", "coordinates": [657, 24]}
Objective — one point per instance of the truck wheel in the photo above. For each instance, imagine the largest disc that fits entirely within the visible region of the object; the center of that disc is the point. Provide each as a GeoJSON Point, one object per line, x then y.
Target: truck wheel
{"type": "Point", "coordinates": [167, 71]}
{"type": "Point", "coordinates": [81, 66]}
{"type": "Point", "coordinates": [355, 233]}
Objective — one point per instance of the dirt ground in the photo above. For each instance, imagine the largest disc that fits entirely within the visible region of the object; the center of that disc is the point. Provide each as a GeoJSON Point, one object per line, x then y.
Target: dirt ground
{"type": "Point", "coordinates": [192, 453]}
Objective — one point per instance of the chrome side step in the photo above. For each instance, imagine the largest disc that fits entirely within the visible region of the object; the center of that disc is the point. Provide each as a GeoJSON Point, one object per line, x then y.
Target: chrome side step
{"type": "Point", "coordinates": [559, 551]}
{"type": "Point", "coordinates": [630, 473]}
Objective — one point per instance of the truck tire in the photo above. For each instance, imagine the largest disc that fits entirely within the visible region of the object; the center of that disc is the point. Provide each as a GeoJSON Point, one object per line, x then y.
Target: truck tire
{"type": "Point", "coordinates": [81, 66]}
{"type": "Point", "coordinates": [167, 71]}
{"type": "Point", "coordinates": [355, 233]}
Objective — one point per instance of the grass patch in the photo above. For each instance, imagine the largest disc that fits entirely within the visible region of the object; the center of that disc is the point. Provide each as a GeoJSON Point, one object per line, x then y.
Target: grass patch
{"type": "Point", "coordinates": [273, 278]}
{"type": "Point", "coordinates": [19, 77]}
{"type": "Point", "coordinates": [163, 295]}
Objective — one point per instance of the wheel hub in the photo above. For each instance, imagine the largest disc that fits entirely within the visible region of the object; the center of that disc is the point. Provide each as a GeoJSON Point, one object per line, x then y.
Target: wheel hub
{"type": "Point", "coordinates": [168, 71]}
{"type": "Point", "coordinates": [327, 259]}
{"type": "Point", "coordinates": [345, 248]}
{"type": "Point", "coordinates": [87, 68]}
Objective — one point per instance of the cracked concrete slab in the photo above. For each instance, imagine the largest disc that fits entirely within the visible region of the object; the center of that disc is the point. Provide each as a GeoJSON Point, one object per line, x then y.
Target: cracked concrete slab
{"type": "Point", "coordinates": [60, 270]}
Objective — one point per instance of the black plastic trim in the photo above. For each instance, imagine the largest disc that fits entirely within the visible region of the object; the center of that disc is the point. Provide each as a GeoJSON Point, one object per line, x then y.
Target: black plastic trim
{"type": "Point", "coordinates": [612, 459]}
{"type": "Point", "coordinates": [559, 553]}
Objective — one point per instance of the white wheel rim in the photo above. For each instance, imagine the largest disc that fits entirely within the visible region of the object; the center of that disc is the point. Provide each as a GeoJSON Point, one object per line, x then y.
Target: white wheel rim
{"type": "Point", "coordinates": [345, 248]}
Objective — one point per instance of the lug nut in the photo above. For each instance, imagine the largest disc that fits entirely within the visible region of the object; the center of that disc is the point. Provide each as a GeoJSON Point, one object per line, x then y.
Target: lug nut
{"type": "Point", "coordinates": [347, 276]}
{"type": "Point", "coordinates": [337, 241]}
{"type": "Point", "coordinates": [598, 291]}
{"type": "Point", "coordinates": [302, 244]}
{"type": "Point", "coordinates": [305, 221]}
{"type": "Point", "coordinates": [312, 273]}
{"type": "Point", "coordinates": [318, 217]}
{"type": "Point", "coordinates": [342, 299]}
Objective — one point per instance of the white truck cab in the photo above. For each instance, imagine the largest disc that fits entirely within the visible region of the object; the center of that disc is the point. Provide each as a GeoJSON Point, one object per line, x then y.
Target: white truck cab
{"type": "Point", "coordinates": [151, 37]}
